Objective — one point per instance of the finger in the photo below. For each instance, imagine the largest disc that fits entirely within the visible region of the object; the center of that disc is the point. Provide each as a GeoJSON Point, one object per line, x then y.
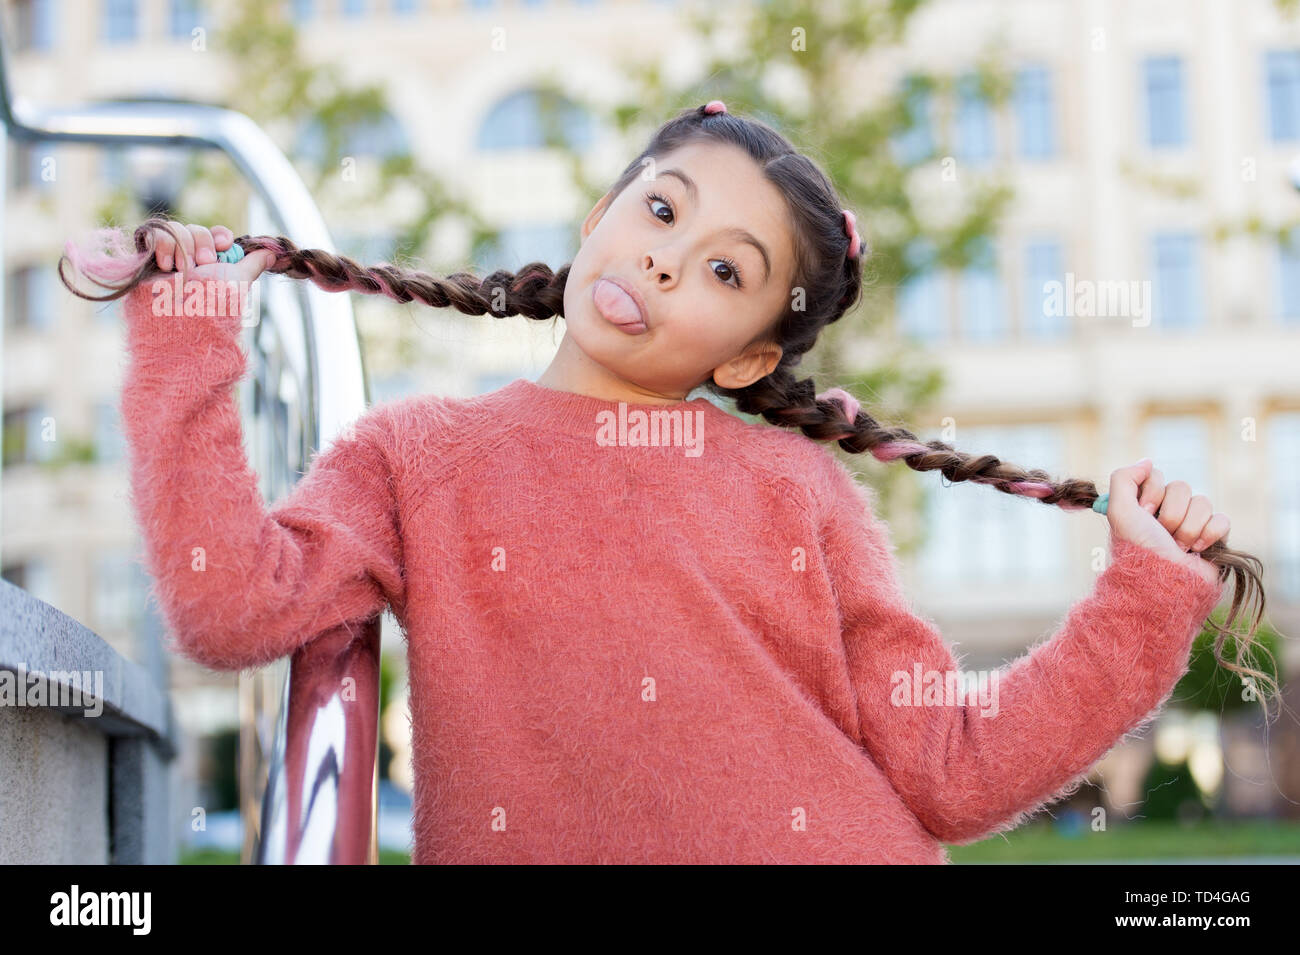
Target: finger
{"type": "Point", "coordinates": [255, 263]}
{"type": "Point", "coordinates": [1173, 508]}
{"type": "Point", "coordinates": [205, 252]}
{"type": "Point", "coordinates": [164, 247]}
{"type": "Point", "coordinates": [1199, 512]}
{"type": "Point", "coordinates": [184, 245]}
{"type": "Point", "coordinates": [164, 250]}
{"type": "Point", "coordinates": [1152, 491]}
{"type": "Point", "coordinates": [1124, 484]}
{"type": "Point", "coordinates": [1216, 529]}
{"type": "Point", "coordinates": [223, 237]}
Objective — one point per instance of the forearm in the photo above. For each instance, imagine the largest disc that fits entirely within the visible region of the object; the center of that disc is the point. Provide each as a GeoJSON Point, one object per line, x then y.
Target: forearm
{"type": "Point", "coordinates": [1046, 718]}
{"type": "Point", "coordinates": [238, 585]}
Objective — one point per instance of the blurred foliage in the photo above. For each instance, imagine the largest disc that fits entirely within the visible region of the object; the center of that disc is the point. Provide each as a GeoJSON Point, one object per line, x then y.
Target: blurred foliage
{"type": "Point", "coordinates": [1172, 794]}
{"type": "Point", "coordinates": [1207, 685]}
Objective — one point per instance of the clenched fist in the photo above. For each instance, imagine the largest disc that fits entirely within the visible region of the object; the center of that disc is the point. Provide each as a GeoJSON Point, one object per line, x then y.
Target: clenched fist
{"type": "Point", "coordinates": [197, 256]}
{"type": "Point", "coordinates": [1165, 518]}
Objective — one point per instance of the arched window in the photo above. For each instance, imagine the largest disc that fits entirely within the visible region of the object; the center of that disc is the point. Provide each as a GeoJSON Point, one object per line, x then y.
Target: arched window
{"type": "Point", "coordinates": [535, 119]}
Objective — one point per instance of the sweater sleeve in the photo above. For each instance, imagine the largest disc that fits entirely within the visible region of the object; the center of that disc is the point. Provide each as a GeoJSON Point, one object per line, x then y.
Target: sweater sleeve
{"type": "Point", "coordinates": [237, 584]}
{"type": "Point", "coordinates": [968, 771]}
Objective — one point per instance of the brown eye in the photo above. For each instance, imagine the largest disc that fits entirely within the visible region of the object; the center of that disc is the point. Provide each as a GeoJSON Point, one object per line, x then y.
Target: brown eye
{"type": "Point", "coordinates": [652, 199]}
{"type": "Point", "coordinates": [729, 271]}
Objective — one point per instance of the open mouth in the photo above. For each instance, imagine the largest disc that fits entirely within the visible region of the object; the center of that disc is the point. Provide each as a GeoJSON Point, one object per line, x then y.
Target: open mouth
{"type": "Point", "coordinates": [618, 306]}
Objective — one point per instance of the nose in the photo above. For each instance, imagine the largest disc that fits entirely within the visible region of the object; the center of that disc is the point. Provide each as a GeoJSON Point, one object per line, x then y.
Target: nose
{"type": "Point", "coordinates": [656, 266]}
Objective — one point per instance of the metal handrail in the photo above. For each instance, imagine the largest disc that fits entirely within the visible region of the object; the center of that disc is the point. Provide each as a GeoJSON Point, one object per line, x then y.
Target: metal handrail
{"type": "Point", "coordinates": [319, 803]}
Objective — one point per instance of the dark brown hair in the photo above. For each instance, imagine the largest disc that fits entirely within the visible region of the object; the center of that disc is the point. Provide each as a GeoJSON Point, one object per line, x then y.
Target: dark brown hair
{"type": "Point", "coordinates": [829, 283]}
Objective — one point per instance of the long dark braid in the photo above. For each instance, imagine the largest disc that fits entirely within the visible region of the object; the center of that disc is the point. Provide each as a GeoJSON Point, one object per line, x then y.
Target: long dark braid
{"type": "Point", "coordinates": [828, 283]}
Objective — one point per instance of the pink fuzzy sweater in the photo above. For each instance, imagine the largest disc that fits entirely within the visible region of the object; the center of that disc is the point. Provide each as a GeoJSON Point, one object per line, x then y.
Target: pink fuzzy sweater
{"type": "Point", "coordinates": [693, 651]}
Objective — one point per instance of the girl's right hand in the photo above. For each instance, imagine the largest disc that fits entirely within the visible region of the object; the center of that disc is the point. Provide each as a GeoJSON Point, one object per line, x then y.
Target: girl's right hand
{"type": "Point", "coordinates": [196, 258]}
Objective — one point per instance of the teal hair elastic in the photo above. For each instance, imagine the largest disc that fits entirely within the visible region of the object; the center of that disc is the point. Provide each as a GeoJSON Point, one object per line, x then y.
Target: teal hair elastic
{"type": "Point", "coordinates": [1100, 504]}
{"type": "Point", "coordinates": [232, 254]}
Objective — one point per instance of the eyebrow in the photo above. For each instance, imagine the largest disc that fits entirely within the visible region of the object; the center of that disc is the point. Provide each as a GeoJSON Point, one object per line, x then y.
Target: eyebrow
{"type": "Point", "coordinates": [735, 232]}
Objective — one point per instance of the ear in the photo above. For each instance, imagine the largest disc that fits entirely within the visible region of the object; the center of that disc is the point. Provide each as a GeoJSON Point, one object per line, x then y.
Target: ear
{"type": "Point", "coordinates": [597, 211]}
{"type": "Point", "coordinates": [745, 369]}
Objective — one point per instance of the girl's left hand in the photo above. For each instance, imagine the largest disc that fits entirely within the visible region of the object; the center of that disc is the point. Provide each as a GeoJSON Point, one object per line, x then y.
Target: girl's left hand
{"type": "Point", "coordinates": [1167, 519]}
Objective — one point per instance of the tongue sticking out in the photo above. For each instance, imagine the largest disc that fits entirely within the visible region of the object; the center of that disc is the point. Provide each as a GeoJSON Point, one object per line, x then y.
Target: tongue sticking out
{"type": "Point", "coordinates": [615, 304]}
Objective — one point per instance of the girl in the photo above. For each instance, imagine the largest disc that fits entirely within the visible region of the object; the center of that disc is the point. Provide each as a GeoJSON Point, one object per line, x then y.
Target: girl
{"type": "Point", "coordinates": [620, 650]}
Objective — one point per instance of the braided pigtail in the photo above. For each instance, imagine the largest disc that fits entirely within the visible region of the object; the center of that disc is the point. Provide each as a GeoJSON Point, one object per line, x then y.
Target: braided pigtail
{"type": "Point", "coordinates": [534, 291]}
{"type": "Point", "coordinates": [835, 415]}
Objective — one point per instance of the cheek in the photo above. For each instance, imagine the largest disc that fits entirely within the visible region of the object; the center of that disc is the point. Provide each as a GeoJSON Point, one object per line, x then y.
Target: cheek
{"type": "Point", "coordinates": [716, 336]}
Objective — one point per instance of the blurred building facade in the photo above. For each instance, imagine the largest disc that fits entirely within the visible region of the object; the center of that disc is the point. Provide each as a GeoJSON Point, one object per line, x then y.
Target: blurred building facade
{"type": "Point", "coordinates": [1193, 367]}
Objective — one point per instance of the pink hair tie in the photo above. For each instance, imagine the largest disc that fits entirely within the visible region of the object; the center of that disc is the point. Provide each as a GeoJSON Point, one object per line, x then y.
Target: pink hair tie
{"type": "Point", "coordinates": [715, 106]}
{"type": "Point", "coordinates": [851, 229]}
{"type": "Point", "coordinates": [847, 402]}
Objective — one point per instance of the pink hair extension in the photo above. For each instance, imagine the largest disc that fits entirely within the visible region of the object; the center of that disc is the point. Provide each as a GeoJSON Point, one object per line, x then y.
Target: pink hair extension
{"type": "Point", "coordinates": [1030, 488]}
{"type": "Point", "coordinates": [1040, 489]}
{"type": "Point", "coordinates": [846, 401]}
{"type": "Point", "coordinates": [893, 450]}
{"type": "Point", "coordinates": [107, 257]}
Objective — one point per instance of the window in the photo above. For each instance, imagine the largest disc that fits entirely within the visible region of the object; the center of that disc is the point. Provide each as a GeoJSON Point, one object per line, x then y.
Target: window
{"type": "Point", "coordinates": [977, 535]}
{"type": "Point", "coordinates": [1033, 107]}
{"type": "Point", "coordinates": [974, 139]}
{"type": "Point", "coordinates": [304, 9]}
{"type": "Point", "coordinates": [34, 24]}
{"type": "Point", "coordinates": [1179, 446]}
{"type": "Point", "coordinates": [552, 243]}
{"type": "Point", "coordinates": [184, 17]}
{"type": "Point", "coordinates": [1177, 290]}
{"type": "Point", "coordinates": [23, 436]}
{"type": "Point", "coordinates": [110, 446]}
{"type": "Point", "coordinates": [1284, 447]}
{"type": "Point", "coordinates": [1282, 77]}
{"type": "Point", "coordinates": [534, 119]}
{"type": "Point", "coordinates": [1166, 111]}
{"type": "Point", "coordinates": [915, 143]}
{"type": "Point", "coordinates": [354, 8]}
{"type": "Point", "coordinates": [379, 136]}
{"type": "Point", "coordinates": [406, 6]}
{"type": "Point", "coordinates": [981, 297]}
{"type": "Point", "coordinates": [1288, 278]}
{"type": "Point", "coordinates": [119, 21]}
{"type": "Point", "coordinates": [120, 589]}
{"type": "Point", "coordinates": [1043, 264]}
{"type": "Point", "coordinates": [113, 167]}
{"type": "Point", "coordinates": [920, 297]}
{"type": "Point", "coordinates": [30, 294]}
